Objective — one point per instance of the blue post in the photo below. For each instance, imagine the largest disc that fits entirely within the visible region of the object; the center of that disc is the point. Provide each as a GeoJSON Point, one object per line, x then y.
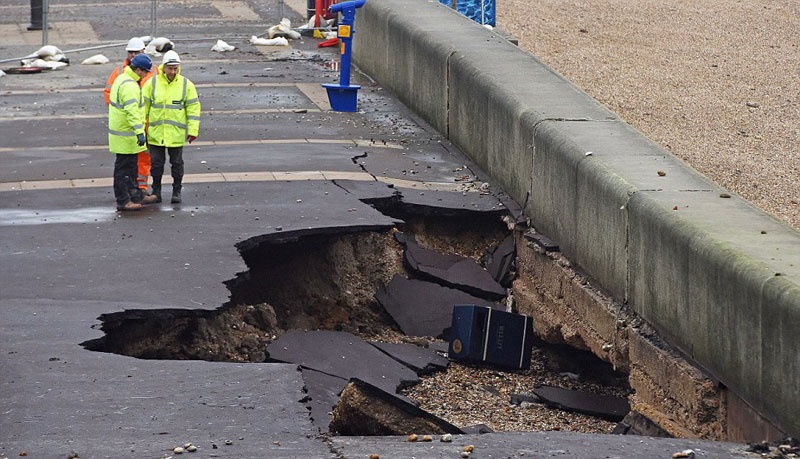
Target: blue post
{"type": "Point", "coordinates": [344, 96]}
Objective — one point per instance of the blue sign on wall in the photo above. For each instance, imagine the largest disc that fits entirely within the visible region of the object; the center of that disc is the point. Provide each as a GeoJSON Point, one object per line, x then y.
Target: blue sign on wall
{"type": "Point", "coordinates": [480, 11]}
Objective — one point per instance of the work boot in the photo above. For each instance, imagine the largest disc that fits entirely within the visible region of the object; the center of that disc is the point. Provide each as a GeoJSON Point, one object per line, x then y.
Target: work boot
{"type": "Point", "coordinates": [130, 205]}
{"type": "Point", "coordinates": [149, 199]}
{"type": "Point", "coordinates": [176, 194]}
{"type": "Point", "coordinates": [137, 195]}
{"type": "Point", "coordinates": [157, 191]}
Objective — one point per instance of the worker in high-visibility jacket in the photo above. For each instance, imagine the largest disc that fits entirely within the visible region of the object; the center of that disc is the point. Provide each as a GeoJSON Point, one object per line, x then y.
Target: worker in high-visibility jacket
{"type": "Point", "coordinates": [126, 135]}
{"type": "Point", "coordinates": [135, 46]}
{"type": "Point", "coordinates": [172, 111]}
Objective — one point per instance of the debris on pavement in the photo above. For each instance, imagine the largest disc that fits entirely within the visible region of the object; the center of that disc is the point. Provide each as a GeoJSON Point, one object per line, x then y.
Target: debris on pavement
{"type": "Point", "coordinates": [46, 57]}
{"type": "Point", "coordinates": [43, 64]}
{"type": "Point", "coordinates": [159, 45]}
{"type": "Point", "coordinates": [283, 29]}
{"type": "Point", "coordinates": [311, 24]}
{"type": "Point", "coordinates": [329, 43]}
{"type": "Point", "coordinates": [278, 41]}
{"type": "Point", "coordinates": [23, 70]}
{"type": "Point", "coordinates": [221, 47]}
{"type": "Point", "coordinates": [47, 52]}
{"type": "Point", "coordinates": [97, 59]}
{"type": "Point", "coordinates": [782, 449]}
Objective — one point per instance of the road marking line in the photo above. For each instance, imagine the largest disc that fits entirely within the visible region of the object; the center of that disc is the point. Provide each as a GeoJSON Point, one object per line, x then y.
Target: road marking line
{"type": "Point", "coordinates": [23, 92]}
{"type": "Point", "coordinates": [253, 111]}
{"type": "Point", "coordinates": [220, 143]}
{"type": "Point", "coordinates": [215, 177]}
{"type": "Point", "coordinates": [316, 94]}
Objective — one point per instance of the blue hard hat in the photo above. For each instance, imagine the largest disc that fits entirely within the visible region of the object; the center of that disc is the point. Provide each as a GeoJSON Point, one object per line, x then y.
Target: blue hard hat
{"type": "Point", "coordinates": [141, 61]}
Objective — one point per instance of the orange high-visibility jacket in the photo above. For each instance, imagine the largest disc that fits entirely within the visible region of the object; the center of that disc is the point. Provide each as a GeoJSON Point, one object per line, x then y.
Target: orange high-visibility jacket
{"type": "Point", "coordinates": [117, 71]}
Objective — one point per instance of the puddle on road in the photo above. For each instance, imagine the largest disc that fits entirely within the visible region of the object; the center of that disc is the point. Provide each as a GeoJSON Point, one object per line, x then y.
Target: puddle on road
{"type": "Point", "coordinates": [83, 215]}
{"type": "Point", "coordinates": [44, 217]}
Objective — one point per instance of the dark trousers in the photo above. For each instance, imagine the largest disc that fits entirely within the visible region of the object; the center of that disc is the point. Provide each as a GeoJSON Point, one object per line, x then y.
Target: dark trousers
{"type": "Point", "coordinates": [125, 172]}
{"type": "Point", "coordinates": [158, 156]}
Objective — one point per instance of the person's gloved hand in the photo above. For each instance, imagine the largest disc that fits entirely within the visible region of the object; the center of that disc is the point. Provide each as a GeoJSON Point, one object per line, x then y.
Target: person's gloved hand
{"type": "Point", "coordinates": [191, 138]}
{"type": "Point", "coordinates": [140, 140]}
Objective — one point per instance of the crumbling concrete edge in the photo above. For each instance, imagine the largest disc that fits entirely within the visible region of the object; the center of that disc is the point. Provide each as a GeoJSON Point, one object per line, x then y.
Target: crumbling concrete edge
{"type": "Point", "coordinates": [669, 389]}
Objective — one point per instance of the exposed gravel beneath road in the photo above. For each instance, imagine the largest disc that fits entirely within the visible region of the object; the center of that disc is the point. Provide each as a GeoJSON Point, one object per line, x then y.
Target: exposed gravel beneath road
{"type": "Point", "coordinates": [468, 395]}
{"type": "Point", "coordinates": [716, 82]}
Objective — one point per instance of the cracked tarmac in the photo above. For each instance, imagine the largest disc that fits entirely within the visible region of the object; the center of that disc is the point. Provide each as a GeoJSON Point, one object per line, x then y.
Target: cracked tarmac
{"type": "Point", "coordinates": [271, 159]}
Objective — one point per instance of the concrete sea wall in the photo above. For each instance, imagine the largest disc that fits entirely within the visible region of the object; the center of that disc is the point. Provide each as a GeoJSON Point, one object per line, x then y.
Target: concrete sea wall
{"type": "Point", "coordinates": [717, 278]}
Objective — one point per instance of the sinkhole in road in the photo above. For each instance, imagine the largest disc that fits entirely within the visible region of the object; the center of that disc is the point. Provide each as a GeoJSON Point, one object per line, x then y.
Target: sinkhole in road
{"type": "Point", "coordinates": [323, 280]}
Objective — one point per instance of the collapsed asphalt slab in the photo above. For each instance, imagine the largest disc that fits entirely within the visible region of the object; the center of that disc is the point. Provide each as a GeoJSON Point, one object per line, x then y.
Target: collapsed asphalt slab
{"type": "Point", "coordinates": [452, 271]}
{"type": "Point", "coordinates": [321, 396]}
{"type": "Point", "coordinates": [364, 409]}
{"type": "Point", "coordinates": [322, 389]}
{"type": "Point", "coordinates": [343, 355]}
{"type": "Point", "coordinates": [501, 262]}
{"type": "Point", "coordinates": [602, 406]}
{"type": "Point", "coordinates": [422, 308]}
{"type": "Point", "coordinates": [333, 361]}
{"type": "Point", "coordinates": [461, 199]}
{"type": "Point", "coordinates": [423, 360]}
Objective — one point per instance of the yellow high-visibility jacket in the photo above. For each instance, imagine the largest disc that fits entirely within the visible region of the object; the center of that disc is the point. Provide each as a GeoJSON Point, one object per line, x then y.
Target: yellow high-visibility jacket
{"type": "Point", "coordinates": [172, 109]}
{"type": "Point", "coordinates": [125, 114]}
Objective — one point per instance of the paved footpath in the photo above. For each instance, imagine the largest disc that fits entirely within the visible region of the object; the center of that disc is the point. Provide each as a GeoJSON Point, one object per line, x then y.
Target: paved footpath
{"type": "Point", "coordinates": [271, 156]}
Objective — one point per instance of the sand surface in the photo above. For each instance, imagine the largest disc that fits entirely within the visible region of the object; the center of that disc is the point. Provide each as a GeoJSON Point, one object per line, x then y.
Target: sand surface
{"type": "Point", "coordinates": [715, 82]}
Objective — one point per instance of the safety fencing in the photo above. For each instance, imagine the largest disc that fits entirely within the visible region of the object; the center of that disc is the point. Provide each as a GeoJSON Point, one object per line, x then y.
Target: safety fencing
{"type": "Point", "coordinates": [480, 11]}
{"type": "Point", "coordinates": [40, 18]}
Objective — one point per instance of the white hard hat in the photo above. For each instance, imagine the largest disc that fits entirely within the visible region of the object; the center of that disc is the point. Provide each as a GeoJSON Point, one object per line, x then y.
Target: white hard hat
{"type": "Point", "coordinates": [171, 58]}
{"type": "Point", "coordinates": [135, 44]}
